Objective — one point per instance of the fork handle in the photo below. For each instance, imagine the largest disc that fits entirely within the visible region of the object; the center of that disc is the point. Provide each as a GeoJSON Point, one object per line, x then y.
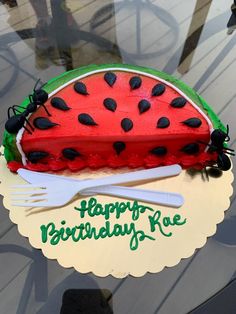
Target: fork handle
{"type": "Point", "coordinates": [139, 175]}
{"type": "Point", "coordinates": [155, 197]}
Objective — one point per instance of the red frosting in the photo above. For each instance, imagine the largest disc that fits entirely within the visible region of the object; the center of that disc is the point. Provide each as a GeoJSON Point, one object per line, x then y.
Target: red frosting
{"type": "Point", "coordinates": [95, 142]}
{"type": "Point", "coordinates": [114, 161]}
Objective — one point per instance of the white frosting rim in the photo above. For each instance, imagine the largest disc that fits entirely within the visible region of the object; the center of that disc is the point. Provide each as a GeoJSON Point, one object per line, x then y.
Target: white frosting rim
{"type": "Point", "coordinates": [21, 131]}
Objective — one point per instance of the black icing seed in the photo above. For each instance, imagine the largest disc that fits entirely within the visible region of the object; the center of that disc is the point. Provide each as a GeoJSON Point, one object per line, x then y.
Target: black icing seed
{"type": "Point", "coordinates": [59, 103]}
{"type": "Point", "coordinates": [43, 123]}
{"type": "Point", "coordinates": [119, 147]}
{"type": "Point", "coordinates": [193, 122]}
{"type": "Point", "coordinates": [86, 119]}
{"type": "Point", "coordinates": [158, 90]}
{"type": "Point", "coordinates": [163, 123]}
{"type": "Point", "coordinates": [191, 149]}
{"type": "Point", "coordinates": [36, 156]}
{"type": "Point", "coordinates": [178, 102]}
{"type": "Point", "coordinates": [80, 88]}
{"type": "Point", "coordinates": [70, 153]}
{"type": "Point", "coordinates": [110, 104]}
{"type": "Point", "coordinates": [135, 82]}
{"type": "Point", "coordinates": [159, 151]}
{"type": "Point", "coordinates": [144, 106]}
{"type": "Point", "coordinates": [110, 78]}
{"type": "Point", "coordinates": [126, 124]}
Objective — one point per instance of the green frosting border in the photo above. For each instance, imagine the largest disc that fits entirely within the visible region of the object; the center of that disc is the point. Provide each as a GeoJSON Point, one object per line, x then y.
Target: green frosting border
{"type": "Point", "coordinates": [9, 140]}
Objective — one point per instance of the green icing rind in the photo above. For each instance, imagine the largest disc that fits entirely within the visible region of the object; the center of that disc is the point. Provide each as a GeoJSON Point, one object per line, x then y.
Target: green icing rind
{"type": "Point", "coordinates": [9, 140]}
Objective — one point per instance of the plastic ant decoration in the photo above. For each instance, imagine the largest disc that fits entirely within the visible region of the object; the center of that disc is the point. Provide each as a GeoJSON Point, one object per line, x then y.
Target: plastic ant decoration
{"type": "Point", "coordinates": [38, 98]}
{"type": "Point", "coordinates": [218, 138]}
{"type": "Point", "coordinates": [19, 119]}
{"type": "Point", "coordinates": [223, 161]}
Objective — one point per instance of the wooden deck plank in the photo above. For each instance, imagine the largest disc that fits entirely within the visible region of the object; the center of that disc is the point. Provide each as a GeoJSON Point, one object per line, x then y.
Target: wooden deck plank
{"type": "Point", "coordinates": [59, 280]}
{"type": "Point", "coordinates": [10, 297]}
{"type": "Point", "coordinates": [16, 17]}
{"type": "Point", "coordinates": [228, 116]}
{"type": "Point", "coordinates": [73, 280]}
{"type": "Point", "coordinates": [12, 263]}
{"type": "Point", "coordinates": [178, 289]}
{"type": "Point", "coordinates": [24, 16]}
{"type": "Point", "coordinates": [151, 39]}
{"type": "Point", "coordinates": [82, 15]}
{"type": "Point", "coordinates": [5, 223]}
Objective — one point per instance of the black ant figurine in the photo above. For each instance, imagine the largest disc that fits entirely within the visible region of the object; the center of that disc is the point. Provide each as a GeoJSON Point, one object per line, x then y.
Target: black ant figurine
{"type": "Point", "coordinates": [32, 106]}
{"type": "Point", "coordinates": [218, 137]}
{"type": "Point", "coordinates": [223, 162]}
{"type": "Point", "coordinates": [38, 98]}
{"type": "Point", "coordinates": [16, 122]}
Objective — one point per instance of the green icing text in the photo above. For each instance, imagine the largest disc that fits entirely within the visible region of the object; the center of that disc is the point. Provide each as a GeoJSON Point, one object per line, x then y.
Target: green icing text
{"type": "Point", "coordinates": [158, 224]}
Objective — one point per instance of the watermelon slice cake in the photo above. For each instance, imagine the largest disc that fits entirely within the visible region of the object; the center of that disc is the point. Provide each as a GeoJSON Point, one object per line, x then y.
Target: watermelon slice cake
{"type": "Point", "coordinates": [114, 115]}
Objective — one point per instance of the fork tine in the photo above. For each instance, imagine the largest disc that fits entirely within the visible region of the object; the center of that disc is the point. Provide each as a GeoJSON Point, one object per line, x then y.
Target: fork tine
{"type": "Point", "coordinates": [30, 192]}
{"type": "Point", "coordinates": [34, 204]}
{"type": "Point", "coordinates": [40, 198]}
{"type": "Point", "coordinates": [27, 186]}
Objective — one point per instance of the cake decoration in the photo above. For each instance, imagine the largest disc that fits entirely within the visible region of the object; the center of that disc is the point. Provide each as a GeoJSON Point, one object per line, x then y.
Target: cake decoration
{"type": "Point", "coordinates": [43, 123]}
{"type": "Point", "coordinates": [158, 90]}
{"type": "Point", "coordinates": [70, 153]}
{"type": "Point", "coordinates": [223, 162]}
{"type": "Point", "coordinates": [131, 116]}
{"type": "Point", "coordinates": [163, 123]}
{"type": "Point", "coordinates": [81, 88]}
{"type": "Point", "coordinates": [191, 149]}
{"type": "Point", "coordinates": [178, 102]}
{"type": "Point", "coordinates": [110, 78]}
{"type": "Point", "coordinates": [119, 147]}
{"type": "Point", "coordinates": [38, 98]}
{"type": "Point", "coordinates": [126, 124]}
{"type": "Point", "coordinates": [59, 103]}
{"type": "Point", "coordinates": [160, 225]}
{"type": "Point", "coordinates": [110, 104]}
{"type": "Point", "coordinates": [193, 122]}
{"type": "Point", "coordinates": [34, 157]}
{"type": "Point", "coordinates": [144, 105]}
{"type": "Point", "coordinates": [135, 82]}
{"type": "Point", "coordinates": [86, 119]}
{"type": "Point", "coordinates": [159, 151]}
{"type": "Point", "coordinates": [16, 122]}
{"type": "Point", "coordinates": [32, 107]}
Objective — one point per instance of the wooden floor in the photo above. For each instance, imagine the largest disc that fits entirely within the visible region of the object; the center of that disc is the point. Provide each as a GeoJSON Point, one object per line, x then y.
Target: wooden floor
{"type": "Point", "coordinates": [29, 283]}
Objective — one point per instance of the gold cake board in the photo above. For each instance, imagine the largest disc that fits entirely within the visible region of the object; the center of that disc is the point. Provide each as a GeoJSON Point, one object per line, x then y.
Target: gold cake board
{"type": "Point", "coordinates": [163, 235]}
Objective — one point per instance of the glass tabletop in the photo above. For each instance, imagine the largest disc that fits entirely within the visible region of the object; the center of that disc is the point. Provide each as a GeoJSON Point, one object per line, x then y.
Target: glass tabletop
{"type": "Point", "coordinates": [191, 40]}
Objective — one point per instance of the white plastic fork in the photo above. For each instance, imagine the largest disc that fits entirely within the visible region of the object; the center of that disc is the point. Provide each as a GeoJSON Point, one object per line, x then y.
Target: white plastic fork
{"type": "Point", "coordinates": [155, 197]}
{"type": "Point", "coordinates": [58, 193]}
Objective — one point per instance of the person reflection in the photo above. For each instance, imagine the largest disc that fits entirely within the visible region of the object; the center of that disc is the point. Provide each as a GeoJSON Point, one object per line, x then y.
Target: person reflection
{"type": "Point", "coordinates": [10, 3]}
{"type": "Point", "coordinates": [78, 293]}
{"type": "Point", "coordinates": [45, 42]}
